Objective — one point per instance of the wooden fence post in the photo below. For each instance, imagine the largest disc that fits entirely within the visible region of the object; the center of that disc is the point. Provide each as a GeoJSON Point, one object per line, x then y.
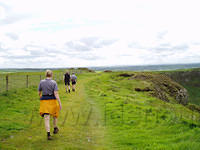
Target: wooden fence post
{"type": "Point", "coordinates": [27, 81]}
{"type": "Point", "coordinates": [40, 77]}
{"type": "Point", "coordinates": [6, 82]}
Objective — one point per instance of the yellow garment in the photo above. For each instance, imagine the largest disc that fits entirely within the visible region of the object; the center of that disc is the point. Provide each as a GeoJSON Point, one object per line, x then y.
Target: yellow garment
{"type": "Point", "coordinates": [49, 106]}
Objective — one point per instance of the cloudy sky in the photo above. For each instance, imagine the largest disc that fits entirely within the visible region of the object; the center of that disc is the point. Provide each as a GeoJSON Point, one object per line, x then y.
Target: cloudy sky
{"type": "Point", "coordinates": [75, 33]}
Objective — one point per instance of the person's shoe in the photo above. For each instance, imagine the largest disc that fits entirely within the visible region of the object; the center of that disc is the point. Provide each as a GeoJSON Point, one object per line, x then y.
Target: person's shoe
{"type": "Point", "coordinates": [49, 137]}
{"type": "Point", "coordinates": [55, 130]}
{"type": "Point", "coordinates": [69, 91]}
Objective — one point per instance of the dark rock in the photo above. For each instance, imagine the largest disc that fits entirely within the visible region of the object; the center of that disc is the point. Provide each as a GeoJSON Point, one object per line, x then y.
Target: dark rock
{"type": "Point", "coordinates": [126, 75]}
{"type": "Point", "coordinates": [138, 89]}
{"type": "Point", "coordinates": [107, 71]}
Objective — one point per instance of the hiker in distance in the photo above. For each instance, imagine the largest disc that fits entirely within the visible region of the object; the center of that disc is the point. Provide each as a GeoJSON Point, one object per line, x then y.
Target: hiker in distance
{"type": "Point", "coordinates": [74, 80]}
{"type": "Point", "coordinates": [67, 81]}
{"type": "Point", "coordinates": [50, 104]}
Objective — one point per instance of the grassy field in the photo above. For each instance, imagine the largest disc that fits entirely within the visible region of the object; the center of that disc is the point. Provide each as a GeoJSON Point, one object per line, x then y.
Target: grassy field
{"type": "Point", "coordinates": [104, 113]}
{"type": "Point", "coordinates": [147, 123]}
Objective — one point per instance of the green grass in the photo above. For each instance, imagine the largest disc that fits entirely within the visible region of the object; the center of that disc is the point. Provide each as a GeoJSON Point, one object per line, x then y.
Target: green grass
{"type": "Point", "coordinates": [22, 128]}
{"type": "Point", "coordinates": [16, 110]}
{"type": "Point", "coordinates": [148, 123]}
{"type": "Point", "coordinates": [104, 113]}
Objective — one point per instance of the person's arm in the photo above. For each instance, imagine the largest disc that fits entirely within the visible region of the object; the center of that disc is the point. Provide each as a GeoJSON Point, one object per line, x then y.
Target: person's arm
{"type": "Point", "coordinates": [58, 98]}
{"type": "Point", "coordinates": [40, 93]}
{"type": "Point", "coordinates": [40, 90]}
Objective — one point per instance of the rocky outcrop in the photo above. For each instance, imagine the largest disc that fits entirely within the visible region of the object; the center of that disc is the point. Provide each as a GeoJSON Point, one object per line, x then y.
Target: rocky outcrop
{"type": "Point", "coordinates": [163, 87]}
{"type": "Point", "coordinates": [182, 96]}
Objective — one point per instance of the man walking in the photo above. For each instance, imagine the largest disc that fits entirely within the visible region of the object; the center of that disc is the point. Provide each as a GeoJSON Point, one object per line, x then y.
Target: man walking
{"type": "Point", "coordinates": [67, 81]}
{"type": "Point", "coordinates": [74, 80]}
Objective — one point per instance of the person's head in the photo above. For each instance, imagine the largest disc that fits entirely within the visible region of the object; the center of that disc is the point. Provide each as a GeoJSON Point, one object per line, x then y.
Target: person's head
{"type": "Point", "coordinates": [67, 72]}
{"type": "Point", "coordinates": [73, 73]}
{"type": "Point", "coordinates": [49, 73]}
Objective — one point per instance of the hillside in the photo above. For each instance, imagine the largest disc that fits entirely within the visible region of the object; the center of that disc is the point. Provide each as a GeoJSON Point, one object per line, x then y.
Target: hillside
{"type": "Point", "coordinates": [113, 110]}
{"type": "Point", "coordinates": [141, 121]}
{"type": "Point", "coordinates": [190, 79]}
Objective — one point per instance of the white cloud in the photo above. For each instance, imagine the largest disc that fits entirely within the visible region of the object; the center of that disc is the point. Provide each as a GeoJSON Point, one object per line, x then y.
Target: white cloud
{"type": "Point", "coordinates": [2, 12]}
{"type": "Point", "coordinates": [64, 33]}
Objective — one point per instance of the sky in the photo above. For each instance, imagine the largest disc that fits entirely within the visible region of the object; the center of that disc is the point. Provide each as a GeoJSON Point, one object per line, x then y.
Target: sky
{"type": "Point", "coordinates": [82, 33]}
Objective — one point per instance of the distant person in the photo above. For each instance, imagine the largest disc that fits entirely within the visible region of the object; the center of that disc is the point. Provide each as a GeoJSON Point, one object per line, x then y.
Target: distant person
{"type": "Point", "coordinates": [67, 81]}
{"type": "Point", "coordinates": [50, 103]}
{"type": "Point", "coordinates": [74, 80]}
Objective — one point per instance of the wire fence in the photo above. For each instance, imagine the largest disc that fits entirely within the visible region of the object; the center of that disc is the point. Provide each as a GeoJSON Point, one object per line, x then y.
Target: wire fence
{"type": "Point", "coordinates": [14, 81]}
{"type": "Point", "coordinates": [122, 116]}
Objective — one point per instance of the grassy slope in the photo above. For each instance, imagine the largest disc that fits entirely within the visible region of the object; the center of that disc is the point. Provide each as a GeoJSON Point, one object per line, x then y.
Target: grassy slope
{"type": "Point", "coordinates": [148, 123]}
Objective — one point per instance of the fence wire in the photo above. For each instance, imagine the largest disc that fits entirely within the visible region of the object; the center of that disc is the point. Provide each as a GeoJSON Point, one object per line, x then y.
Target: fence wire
{"type": "Point", "coordinates": [14, 81]}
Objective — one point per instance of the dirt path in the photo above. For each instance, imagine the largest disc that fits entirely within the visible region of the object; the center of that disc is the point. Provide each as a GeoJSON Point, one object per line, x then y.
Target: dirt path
{"type": "Point", "coordinates": [79, 123]}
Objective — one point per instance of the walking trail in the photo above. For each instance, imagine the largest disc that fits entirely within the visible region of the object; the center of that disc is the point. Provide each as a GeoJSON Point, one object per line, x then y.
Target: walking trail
{"type": "Point", "coordinates": [80, 125]}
